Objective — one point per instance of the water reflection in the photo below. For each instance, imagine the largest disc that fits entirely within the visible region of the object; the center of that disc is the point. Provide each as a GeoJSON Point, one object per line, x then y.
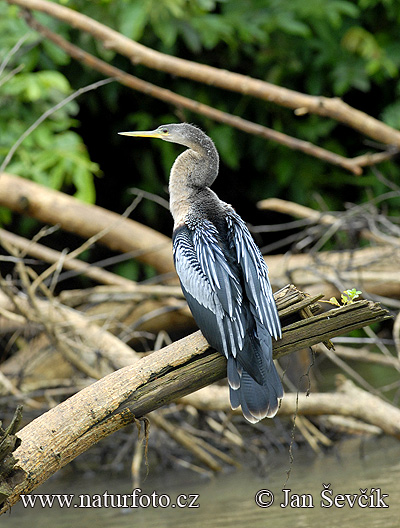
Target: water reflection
{"type": "Point", "coordinates": [229, 500]}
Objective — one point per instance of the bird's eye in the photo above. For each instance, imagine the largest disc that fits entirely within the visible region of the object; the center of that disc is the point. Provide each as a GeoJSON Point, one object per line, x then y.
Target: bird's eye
{"type": "Point", "coordinates": [164, 130]}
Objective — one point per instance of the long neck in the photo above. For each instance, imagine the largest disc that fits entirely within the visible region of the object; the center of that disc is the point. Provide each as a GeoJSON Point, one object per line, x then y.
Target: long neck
{"type": "Point", "coordinates": [193, 170]}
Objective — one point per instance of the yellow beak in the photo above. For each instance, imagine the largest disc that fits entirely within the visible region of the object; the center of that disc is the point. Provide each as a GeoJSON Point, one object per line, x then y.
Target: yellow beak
{"type": "Point", "coordinates": [143, 133]}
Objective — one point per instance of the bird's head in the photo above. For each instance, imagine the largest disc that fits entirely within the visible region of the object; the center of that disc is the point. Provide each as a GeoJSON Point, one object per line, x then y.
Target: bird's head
{"type": "Point", "coordinates": [180, 133]}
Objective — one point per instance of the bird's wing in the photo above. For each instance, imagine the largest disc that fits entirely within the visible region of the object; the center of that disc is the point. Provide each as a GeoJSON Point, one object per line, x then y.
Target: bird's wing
{"type": "Point", "coordinates": [211, 286]}
{"type": "Point", "coordinates": [255, 272]}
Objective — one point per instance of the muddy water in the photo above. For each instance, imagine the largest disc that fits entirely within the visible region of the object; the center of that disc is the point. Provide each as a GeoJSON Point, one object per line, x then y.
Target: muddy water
{"type": "Point", "coordinates": [372, 466]}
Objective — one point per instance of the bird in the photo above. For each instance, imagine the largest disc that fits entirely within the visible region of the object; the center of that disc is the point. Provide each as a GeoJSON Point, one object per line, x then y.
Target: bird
{"type": "Point", "coordinates": [222, 273]}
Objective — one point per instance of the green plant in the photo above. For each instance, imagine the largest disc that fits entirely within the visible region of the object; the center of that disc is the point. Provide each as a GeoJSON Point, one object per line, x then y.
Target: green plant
{"type": "Point", "coordinates": [347, 297]}
{"type": "Point", "coordinates": [52, 154]}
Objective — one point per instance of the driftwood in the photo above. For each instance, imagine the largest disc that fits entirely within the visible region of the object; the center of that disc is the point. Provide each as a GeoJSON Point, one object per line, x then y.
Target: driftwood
{"type": "Point", "coordinates": [56, 208]}
{"type": "Point", "coordinates": [349, 400]}
{"type": "Point", "coordinates": [373, 269]}
{"type": "Point", "coordinates": [61, 434]}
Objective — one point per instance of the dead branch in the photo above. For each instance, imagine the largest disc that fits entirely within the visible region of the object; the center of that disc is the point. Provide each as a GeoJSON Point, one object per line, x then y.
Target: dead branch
{"type": "Point", "coordinates": [103, 294]}
{"type": "Point", "coordinates": [187, 440]}
{"type": "Point", "coordinates": [349, 400]}
{"type": "Point", "coordinates": [365, 356]}
{"type": "Point", "coordinates": [131, 318]}
{"type": "Point", "coordinates": [284, 206]}
{"type": "Point", "coordinates": [96, 341]}
{"type": "Point", "coordinates": [41, 252]}
{"type": "Point", "coordinates": [61, 434]}
{"type": "Point", "coordinates": [354, 165]}
{"type": "Point", "coordinates": [302, 334]}
{"type": "Point", "coordinates": [347, 425]}
{"type": "Point", "coordinates": [138, 54]}
{"type": "Point", "coordinates": [373, 270]}
{"type": "Point", "coordinates": [53, 207]}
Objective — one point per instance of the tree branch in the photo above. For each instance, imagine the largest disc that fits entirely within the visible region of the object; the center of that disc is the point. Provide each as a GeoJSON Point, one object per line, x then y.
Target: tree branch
{"type": "Point", "coordinates": [139, 54]}
{"type": "Point", "coordinates": [53, 207]}
{"type": "Point", "coordinates": [46, 254]}
{"type": "Point", "coordinates": [200, 108]}
{"type": "Point", "coordinates": [350, 400]}
{"type": "Point", "coordinates": [301, 211]}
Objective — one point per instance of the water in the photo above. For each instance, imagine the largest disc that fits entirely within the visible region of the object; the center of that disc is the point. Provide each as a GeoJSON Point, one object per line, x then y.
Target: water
{"type": "Point", "coordinates": [229, 499]}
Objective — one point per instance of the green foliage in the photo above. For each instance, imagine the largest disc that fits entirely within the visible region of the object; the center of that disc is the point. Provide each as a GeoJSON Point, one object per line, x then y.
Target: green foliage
{"type": "Point", "coordinates": [347, 297]}
{"type": "Point", "coordinates": [52, 154]}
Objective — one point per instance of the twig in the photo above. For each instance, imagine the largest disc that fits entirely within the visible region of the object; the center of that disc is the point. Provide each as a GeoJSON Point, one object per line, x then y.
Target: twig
{"type": "Point", "coordinates": [364, 356]}
{"type": "Point", "coordinates": [368, 159]}
{"type": "Point", "coordinates": [150, 196]}
{"type": "Point", "coordinates": [57, 317]}
{"type": "Point", "coordinates": [349, 371]}
{"type": "Point", "coordinates": [101, 294]}
{"type": "Point", "coordinates": [284, 206]}
{"type": "Point", "coordinates": [9, 387]}
{"type": "Point", "coordinates": [186, 440]}
{"type": "Point", "coordinates": [46, 254]}
{"type": "Point", "coordinates": [87, 244]}
{"type": "Point", "coordinates": [10, 74]}
{"type": "Point", "coordinates": [12, 52]}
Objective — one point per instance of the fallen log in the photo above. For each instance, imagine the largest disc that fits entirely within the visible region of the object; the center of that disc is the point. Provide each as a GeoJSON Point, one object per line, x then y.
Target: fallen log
{"type": "Point", "coordinates": [348, 400]}
{"type": "Point", "coordinates": [55, 438]}
{"type": "Point", "coordinates": [54, 207]}
{"type": "Point", "coordinates": [372, 270]}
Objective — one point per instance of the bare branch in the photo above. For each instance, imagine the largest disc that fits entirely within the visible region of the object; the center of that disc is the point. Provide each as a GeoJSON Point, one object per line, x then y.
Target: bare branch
{"type": "Point", "coordinates": [46, 254]}
{"type": "Point", "coordinates": [284, 206]}
{"type": "Point", "coordinates": [12, 52]}
{"type": "Point", "coordinates": [348, 401]}
{"type": "Point", "coordinates": [54, 207]}
{"type": "Point", "coordinates": [139, 54]}
{"type": "Point", "coordinates": [194, 106]}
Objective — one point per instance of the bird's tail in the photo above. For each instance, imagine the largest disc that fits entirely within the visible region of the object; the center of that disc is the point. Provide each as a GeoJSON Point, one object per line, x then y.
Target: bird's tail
{"type": "Point", "coordinates": [257, 400]}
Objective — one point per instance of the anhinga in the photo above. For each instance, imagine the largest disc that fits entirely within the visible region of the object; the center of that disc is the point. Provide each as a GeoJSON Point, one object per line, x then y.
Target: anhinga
{"type": "Point", "coordinates": [222, 273]}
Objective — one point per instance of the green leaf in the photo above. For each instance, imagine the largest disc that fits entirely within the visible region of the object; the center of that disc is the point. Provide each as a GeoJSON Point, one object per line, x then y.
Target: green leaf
{"type": "Point", "coordinates": [133, 20]}
{"type": "Point", "coordinates": [225, 141]}
{"type": "Point", "coordinates": [391, 115]}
